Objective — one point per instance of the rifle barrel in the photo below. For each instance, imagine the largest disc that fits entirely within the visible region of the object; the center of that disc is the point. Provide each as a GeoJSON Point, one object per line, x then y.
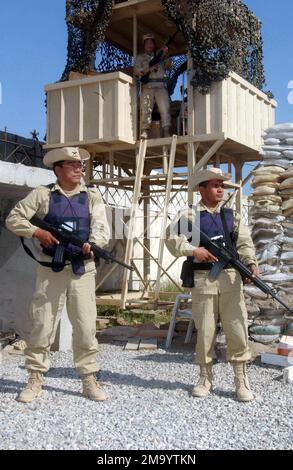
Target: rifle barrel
{"type": "Point", "coordinates": [224, 253]}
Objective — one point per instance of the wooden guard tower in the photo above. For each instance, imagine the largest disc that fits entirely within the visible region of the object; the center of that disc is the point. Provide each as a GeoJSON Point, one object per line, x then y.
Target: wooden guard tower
{"type": "Point", "coordinates": [100, 113]}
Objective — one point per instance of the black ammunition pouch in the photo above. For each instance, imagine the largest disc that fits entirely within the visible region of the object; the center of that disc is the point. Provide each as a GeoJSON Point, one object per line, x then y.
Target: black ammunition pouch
{"type": "Point", "coordinates": [187, 275]}
{"type": "Point", "coordinates": [187, 271]}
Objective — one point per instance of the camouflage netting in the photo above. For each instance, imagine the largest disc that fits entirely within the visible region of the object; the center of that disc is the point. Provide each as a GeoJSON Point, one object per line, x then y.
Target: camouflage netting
{"type": "Point", "coordinates": [113, 58]}
{"type": "Point", "coordinates": [221, 35]}
{"type": "Point", "coordinates": [87, 21]}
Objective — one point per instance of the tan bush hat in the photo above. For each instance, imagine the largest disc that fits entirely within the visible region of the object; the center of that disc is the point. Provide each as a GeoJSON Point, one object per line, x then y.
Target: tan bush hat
{"type": "Point", "coordinates": [148, 36]}
{"type": "Point", "coordinates": [207, 175]}
{"type": "Point", "coordinates": [72, 154]}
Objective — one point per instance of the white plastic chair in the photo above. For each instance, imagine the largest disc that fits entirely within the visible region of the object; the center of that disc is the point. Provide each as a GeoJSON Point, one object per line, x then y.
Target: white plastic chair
{"type": "Point", "coordinates": [182, 313]}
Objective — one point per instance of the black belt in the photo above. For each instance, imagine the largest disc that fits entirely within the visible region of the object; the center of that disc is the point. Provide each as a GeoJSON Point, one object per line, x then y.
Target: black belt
{"type": "Point", "coordinates": [202, 266]}
{"type": "Point", "coordinates": [206, 266]}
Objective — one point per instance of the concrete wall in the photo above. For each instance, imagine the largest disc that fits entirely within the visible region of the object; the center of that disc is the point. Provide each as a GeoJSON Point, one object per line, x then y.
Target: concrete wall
{"type": "Point", "coordinates": [17, 270]}
{"type": "Point", "coordinates": [17, 279]}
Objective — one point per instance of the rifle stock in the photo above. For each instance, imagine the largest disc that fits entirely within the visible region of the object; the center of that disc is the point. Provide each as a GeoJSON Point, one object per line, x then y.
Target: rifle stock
{"type": "Point", "coordinates": [67, 236]}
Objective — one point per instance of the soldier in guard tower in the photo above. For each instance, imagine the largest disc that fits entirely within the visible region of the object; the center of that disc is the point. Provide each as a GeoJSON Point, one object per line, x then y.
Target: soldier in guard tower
{"type": "Point", "coordinates": [153, 80]}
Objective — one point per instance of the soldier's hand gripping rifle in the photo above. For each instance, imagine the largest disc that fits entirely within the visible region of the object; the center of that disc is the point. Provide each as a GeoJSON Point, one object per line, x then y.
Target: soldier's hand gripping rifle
{"type": "Point", "coordinates": [65, 236]}
{"type": "Point", "coordinates": [157, 59]}
{"type": "Point", "coordinates": [228, 258]}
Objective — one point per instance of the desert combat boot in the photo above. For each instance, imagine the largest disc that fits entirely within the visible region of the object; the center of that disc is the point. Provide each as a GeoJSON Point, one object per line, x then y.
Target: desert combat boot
{"type": "Point", "coordinates": [204, 385]}
{"type": "Point", "coordinates": [92, 389]}
{"type": "Point", "coordinates": [243, 391]}
{"type": "Point", "coordinates": [33, 389]}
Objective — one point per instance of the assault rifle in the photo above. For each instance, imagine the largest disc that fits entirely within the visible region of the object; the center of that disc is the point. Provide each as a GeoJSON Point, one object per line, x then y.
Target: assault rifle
{"type": "Point", "coordinates": [66, 235]}
{"type": "Point", "coordinates": [157, 59]}
{"type": "Point", "coordinates": [226, 258]}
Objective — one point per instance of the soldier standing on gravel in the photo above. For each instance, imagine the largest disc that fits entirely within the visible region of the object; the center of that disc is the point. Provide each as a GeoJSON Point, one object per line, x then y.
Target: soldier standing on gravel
{"type": "Point", "coordinates": [222, 298]}
{"type": "Point", "coordinates": [67, 201]}
{"type": "Point", "coordinates": [155, 89]}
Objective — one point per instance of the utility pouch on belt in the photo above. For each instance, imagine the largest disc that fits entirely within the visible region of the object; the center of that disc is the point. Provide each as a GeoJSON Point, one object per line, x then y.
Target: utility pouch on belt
{"type": "Point", "coordinates": [187, 274]}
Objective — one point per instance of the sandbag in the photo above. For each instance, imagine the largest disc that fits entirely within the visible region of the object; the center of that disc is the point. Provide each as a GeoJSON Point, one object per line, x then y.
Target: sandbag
{"type": "Point", "coordinates": [287, 247]}
{"type": "Point", "coordinates": [266, 233]}
{"type": "Point", "coordinates": [265, 329]}
{"type": "Point", "coordinates": [287, 204]}
{"type": "Point", "coordinates": [287, 239]}
{"type": "Point", "coordinates": [269, 210]}
{"type": "Point", "coordinates": [288, 212]}
{"type": "Point", "coordinates": [266, 219]}
{"type": "Point", "coordinates": [282, 163]}
{"type": "Point", "coordinates": [272, 198]}
{"type": "Point", "coordinates": [289, 141]}
{"type": "Point", "coordinates": [262, 243]}
{"type": "Point", "coordinates": [254, 292]}
{"type": "Point", "coordinates": [271, 154]}
{"type": "Point", "coordinates": [270, 251]}
{"type": "Point", "coordinates": [288, 233]}
{"type": "Point", "coordinates": [288, 154]}
{"type": "Point", "coordinates": [272, 141]}
{"type": "Point", "coordinates": [283, 127]}
{"type": "Point", "coordinates": [266, 178]}
{"type": "Point", "coordinates": [276, 148]}
{"type": "Point", "coordinates": [286, 193]}
{"type": "Point", "coordinates": [267, 269]}
{"type": "Point", "coordinates": [266, 190]}
{"type": "Point", "coordinates": [287, 174]}
{"type": "Point", "coordinates": [287, 256]}
{"type": "Point", "coordinates": [286, 184]}
{"type": "Point", "coordinates": [278, 277]}
{"type": "Point", "coordinates": [287, 268]}
{"type": "Point", "coordinates": [268, 169]}
{"type": "Point", "coordinates": [288, 225]}
{"type": "Point", "coordinates": [281, 135]}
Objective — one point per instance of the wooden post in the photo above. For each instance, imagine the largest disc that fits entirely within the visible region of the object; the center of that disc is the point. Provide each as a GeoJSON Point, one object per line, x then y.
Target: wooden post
{"type": "Point", "coordinates": [146, 242]}
{"type": "Point", "coordinates": [238, 174]}
{"type": "Point", "coordinates": [111, 164]}
{"type": "Point", "coordinates": [165, 213]}
{"type": "Point", "coordinates": [135, 50]}
{"type": "Point", "coordinates": [134, 37]}
{"type": "Point", "coordinates": [190, 99]}
{"type": "Point", "coordinates": [140, 159]}
{"type": "Point", "coordinates": [191, 161]}
{"type": "Point", "coordinates": [88, 174]}
{"type": "Point", "coordinates": [191, 151]}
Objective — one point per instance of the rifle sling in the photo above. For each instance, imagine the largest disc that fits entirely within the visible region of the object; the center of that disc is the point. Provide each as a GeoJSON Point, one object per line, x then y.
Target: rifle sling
{"type": "Point", "coordinates": [30, 253]}
{"type": "Point", "coordinates": [226, 230]}
{"type": "Point", "coordinates": [47, 264]}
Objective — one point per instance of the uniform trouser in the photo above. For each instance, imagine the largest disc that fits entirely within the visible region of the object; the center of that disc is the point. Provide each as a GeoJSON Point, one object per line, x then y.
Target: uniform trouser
{"type": "Point", "coordinates": [148, 98]}
{"type": "Point", "coordinates": [52, 291]}
{"type": "Point", "coordinates": [221, 299]}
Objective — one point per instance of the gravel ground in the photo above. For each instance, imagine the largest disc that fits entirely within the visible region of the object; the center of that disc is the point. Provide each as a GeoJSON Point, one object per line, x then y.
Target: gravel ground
{"type": "Point", "coordinates": [149, 406]}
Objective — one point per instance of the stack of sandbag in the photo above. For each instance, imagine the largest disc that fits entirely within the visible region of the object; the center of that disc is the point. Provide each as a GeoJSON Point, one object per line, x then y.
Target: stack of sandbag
{"type": "Point", "coordinates": [266, 217]}
{"type": "Point", "coordinates": [278, 149]}
{"type": "Point", "coordinates": [278, 146]}
{"type": "Point", "coordinates": [272, 221]}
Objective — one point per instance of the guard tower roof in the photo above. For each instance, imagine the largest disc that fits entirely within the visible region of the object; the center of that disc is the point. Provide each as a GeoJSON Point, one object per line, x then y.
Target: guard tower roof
{"type": "Point", "coordinates": [151, 17]}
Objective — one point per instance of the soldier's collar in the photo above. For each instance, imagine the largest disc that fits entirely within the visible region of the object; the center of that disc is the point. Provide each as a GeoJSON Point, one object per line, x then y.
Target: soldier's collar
{"type": "Point", "coordinates": [214, 210]}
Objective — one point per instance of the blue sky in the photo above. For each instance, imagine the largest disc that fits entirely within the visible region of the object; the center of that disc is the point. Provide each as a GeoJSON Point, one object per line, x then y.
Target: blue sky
{"type": "Point", "coordinates": [33, 53]}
